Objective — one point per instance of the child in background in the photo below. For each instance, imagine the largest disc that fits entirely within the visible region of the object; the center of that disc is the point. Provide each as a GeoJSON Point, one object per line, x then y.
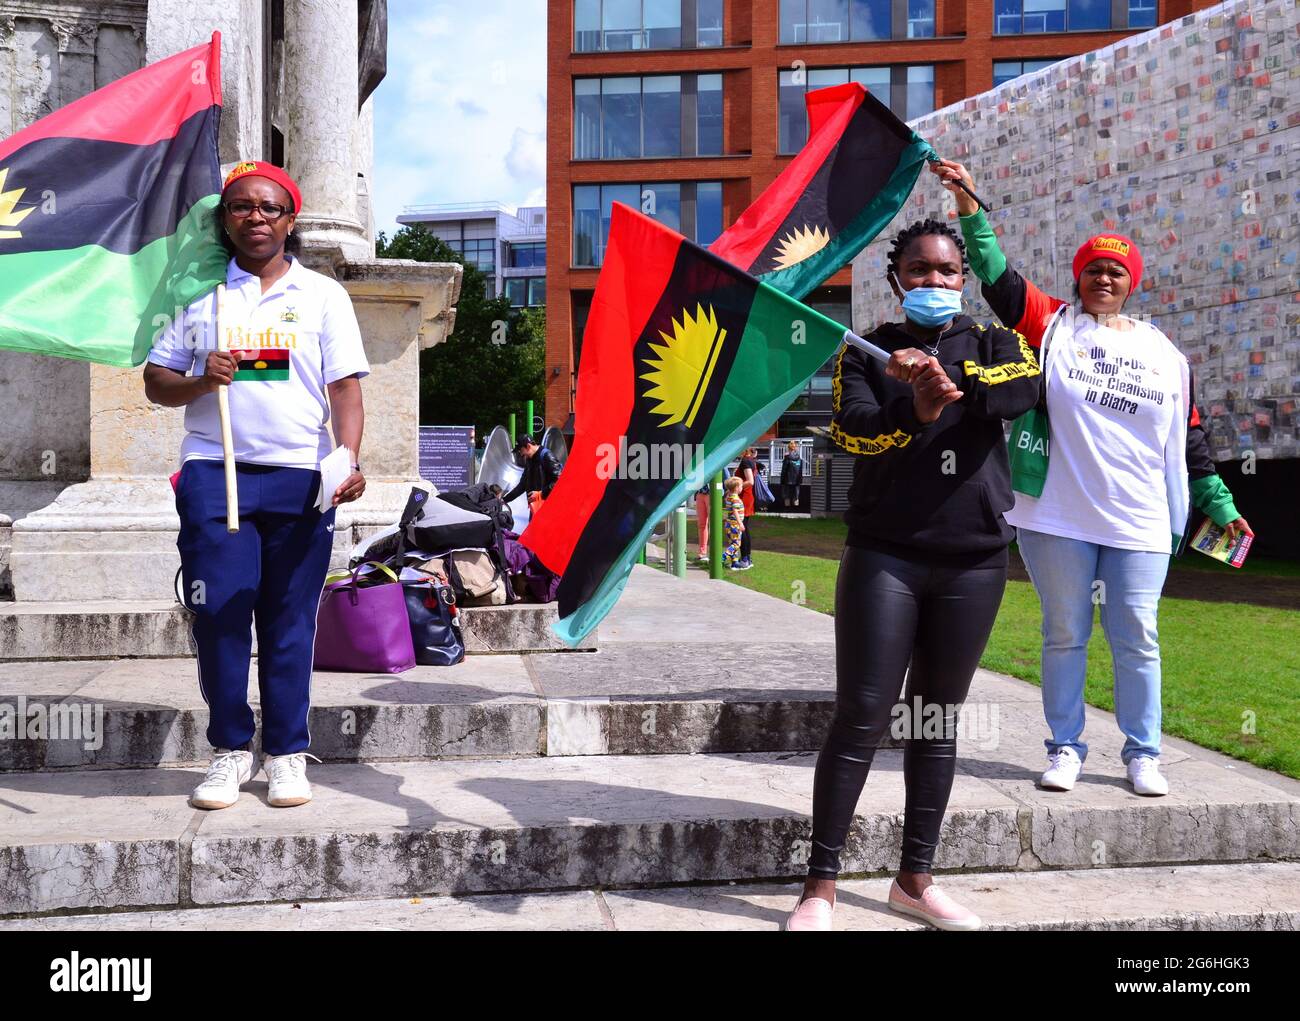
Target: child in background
{"type": "Point", "coordinates": [733, 521]}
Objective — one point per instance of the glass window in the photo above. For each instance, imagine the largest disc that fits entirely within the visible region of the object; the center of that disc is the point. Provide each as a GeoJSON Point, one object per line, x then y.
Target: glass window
{"type": "Point", "coordinates": [1005, 70]}
{"type": "Point", "coordinates": [662, 101]}
{"type": "Point", "coordinates": [792, 114]}
{"type": "Point", "coordinates": [794, 21]}
{"type": "Point", "coordinates": [1141, 13]}
{"type": "Point", "coordinates": [663, 24]}
{"type": "Point", "coordinates": [920, 91]}
{"type": "Point", "coordinates": [828, 21]}
{"type": "Point", "coordinates": [663, 202]}
{"type": "Point", "coordinates": [870, 19]}
{"type": "Point", "coordinates": [1044, 15]}
{"type": "Point", "coordinates": [1006, 17]}
{"type": "Point", "coordinates": [792, 117]}
{"type": "Point", "coordinates": [629, 195]}
{"type": "Point", "coordinates": [708, 22]}
{"type": "Point", "coordinates": [708, 131]}
{"type": "Point", "coordinates": [621, 117]}
{"type": "Point", "coordinates": [481, 253]}
{"type": "Point", "coordinates": [825, 77]}
{"type": "Point", "coordinates": [527, 254]}
{"type": "Point", "coordinates": [874, 79]}
{"type": "Point", "coordinates": [586, 224]}
{"type": "Point", "coordinates": [621, 23]}
{"type": "Point", "coordinates": [586, 119]}
{"type": "Point", "coordinates": [1089, 14]}
{"type": "Point", "coordinates": [536, 291]}
{"type": "Point", "coordinates": [586, 25]}
{"type": "Point", "coordinates": [920, 19]}
{"type": "Point", "coordinates": [708, 212]}
{"type": "Point", "coordinates": [517, 291]}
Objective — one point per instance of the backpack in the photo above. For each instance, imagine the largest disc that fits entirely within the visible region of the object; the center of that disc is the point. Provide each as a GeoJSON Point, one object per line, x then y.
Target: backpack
{"type": "Point", "coordinates": [481, 498]}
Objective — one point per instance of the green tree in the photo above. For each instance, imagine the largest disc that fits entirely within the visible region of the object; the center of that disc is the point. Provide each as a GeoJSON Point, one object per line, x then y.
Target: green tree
{"type": "Point", "coordinates": [493, 362]}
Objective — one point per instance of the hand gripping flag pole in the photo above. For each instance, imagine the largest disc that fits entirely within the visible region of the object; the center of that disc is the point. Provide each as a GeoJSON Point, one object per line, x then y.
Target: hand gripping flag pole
{"type": "Point", "coordinates": [227, 439]}
{"type": "Point", "coordinates": [878, 353]}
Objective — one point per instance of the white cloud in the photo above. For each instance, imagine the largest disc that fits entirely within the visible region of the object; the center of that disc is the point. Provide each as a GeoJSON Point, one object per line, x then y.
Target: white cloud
{"type": "Point", "coordinates": [461, 116]}
{"type": "Point", "coordinates": [526, 159]}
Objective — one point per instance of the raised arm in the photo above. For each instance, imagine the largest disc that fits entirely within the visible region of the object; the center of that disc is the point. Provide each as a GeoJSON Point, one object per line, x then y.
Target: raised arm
{"type": "Point", "coordinates": [1016, 301]}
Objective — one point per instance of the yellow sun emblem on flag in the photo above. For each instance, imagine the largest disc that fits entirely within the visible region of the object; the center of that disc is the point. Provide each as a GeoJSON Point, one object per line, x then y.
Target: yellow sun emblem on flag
{"type": "Point", "coordinates": [799, 245]}
{"type": "Point", "coordinates": [683, 365]}
{"type": "Point", "coordinates": [9, 215]}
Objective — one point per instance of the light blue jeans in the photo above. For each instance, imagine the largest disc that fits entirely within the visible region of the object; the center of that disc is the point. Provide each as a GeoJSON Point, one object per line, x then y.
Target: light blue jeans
{"type": "Point", "coordinates": [1071, 577]}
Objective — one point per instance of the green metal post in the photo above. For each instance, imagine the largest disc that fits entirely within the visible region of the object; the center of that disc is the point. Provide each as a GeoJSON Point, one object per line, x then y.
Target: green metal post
{"type": "Point", "coordinates": [715, 527]}
{"type": "Point", "coordinates": [512, 429]}
{"type": "Point", "coordinates": [528, 418]}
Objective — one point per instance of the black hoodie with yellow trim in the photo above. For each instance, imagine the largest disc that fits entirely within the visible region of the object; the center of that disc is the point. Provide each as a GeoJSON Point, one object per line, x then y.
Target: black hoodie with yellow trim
{"type": "Point", "coordinates": [934, 492]}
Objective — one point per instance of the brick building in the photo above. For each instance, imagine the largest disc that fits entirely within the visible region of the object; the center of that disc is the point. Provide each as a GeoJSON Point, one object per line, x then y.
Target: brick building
{"type": "Point", "coordinates": [690, 108]}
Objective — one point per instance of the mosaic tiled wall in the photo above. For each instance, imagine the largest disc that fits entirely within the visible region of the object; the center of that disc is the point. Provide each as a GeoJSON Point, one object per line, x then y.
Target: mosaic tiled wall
{"type": "Point", "coordinates": [1186, 138]}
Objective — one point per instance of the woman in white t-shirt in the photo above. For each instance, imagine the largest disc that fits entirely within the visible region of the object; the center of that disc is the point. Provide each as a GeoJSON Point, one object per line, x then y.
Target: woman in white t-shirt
{"type": "Point", "coordinates": [295, 362]}
{"type": "Point", "coordinates": [1126, 455]}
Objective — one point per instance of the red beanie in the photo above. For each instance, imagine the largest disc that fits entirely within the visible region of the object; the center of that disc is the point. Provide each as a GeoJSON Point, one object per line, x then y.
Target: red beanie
{"type": "Point", "coordinates": [1110, 246]}
{"type": "Point", "coordinates": [256, 168]}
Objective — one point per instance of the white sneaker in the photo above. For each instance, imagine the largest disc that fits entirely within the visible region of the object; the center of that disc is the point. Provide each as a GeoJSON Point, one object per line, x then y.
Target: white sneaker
{"type": "Point", "coordinates": [220, 789]}
{"type": "Point", "coordinates": [1063, 768]}
{"type": "Point", "coordinates": [1144, 775]}
{"type": "Point", "coordinates": [287, 776]}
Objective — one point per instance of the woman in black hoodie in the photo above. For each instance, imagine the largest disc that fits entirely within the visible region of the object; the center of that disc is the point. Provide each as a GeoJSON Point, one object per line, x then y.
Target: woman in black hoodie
{"type": "Point", "coordinates": [925, 561]}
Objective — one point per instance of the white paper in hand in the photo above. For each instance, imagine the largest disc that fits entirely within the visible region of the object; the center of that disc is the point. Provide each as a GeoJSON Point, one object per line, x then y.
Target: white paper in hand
{"type": "Point", "coordinates": [334, 470]}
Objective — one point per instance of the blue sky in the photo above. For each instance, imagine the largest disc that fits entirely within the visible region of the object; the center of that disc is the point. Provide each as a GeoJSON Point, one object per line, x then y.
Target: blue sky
{"type": "Point", "coordinates": [461, 116]}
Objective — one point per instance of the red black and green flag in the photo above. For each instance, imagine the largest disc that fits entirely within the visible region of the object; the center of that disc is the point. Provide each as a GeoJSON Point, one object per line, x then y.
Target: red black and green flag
{"type": "Point", "coordinates": [838, 193]}
{"type": "Point", "coordinates": [687, 358]}
{"type": "Point", "coordinates": [266, 364]}
{"type": "Point", "coordinates": [107, 206]}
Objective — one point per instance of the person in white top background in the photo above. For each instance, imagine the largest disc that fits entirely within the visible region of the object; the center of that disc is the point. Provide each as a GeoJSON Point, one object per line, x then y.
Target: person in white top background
{"type": "Point", "coordinates": [294, 366]}
{"type": "Point", "coordinates": [1126, 456]}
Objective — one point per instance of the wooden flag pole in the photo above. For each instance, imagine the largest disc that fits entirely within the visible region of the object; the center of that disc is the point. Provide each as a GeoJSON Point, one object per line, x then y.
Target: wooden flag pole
{"type": "Point", "coordinates": [227, 438]}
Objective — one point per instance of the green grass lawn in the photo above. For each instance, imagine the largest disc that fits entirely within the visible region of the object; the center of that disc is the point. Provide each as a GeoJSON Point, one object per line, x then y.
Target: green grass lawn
{"type": "Point", "coordinates": [1224, 663]}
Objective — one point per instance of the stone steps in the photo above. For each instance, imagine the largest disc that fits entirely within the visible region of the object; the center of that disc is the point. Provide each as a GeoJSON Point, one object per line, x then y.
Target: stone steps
{"type": "Point", "coordinates": [144, 713]}
{"type": "Point", "coordinates": [128, 839]}
{"type": "Point", "coordinates": [1185, 897]}
{"type": "Point", "coordinates": [141, 629]}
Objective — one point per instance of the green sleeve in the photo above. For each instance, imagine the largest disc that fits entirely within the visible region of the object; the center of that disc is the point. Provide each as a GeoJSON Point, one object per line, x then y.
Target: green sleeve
{"type": "Point", "coordinates": [1211, 496]}
{"type": "Point", "coordinates": [986, 259]}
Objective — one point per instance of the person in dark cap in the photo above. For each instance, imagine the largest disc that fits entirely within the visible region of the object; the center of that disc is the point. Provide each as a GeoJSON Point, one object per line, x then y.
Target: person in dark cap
{"type": "Point", "coordinates": [541, 469]}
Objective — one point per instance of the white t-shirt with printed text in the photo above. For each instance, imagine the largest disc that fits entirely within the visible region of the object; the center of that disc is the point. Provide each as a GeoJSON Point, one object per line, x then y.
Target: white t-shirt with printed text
{"type": "Point", "coordinates": [291, 342]}
{"type": "Point", "coordinates": [1115, 410]}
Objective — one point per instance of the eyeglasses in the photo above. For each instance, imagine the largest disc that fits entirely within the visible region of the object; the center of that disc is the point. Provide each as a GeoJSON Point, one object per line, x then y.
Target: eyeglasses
{"type": "Point", "coordinates": [271, 211]}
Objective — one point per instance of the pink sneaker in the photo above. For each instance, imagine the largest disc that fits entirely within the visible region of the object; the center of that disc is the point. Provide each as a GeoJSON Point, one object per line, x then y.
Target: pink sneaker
{"type": "Point", "coordinates": [933, 906]}
{"type": "Point", "coordinates": [810, 915]}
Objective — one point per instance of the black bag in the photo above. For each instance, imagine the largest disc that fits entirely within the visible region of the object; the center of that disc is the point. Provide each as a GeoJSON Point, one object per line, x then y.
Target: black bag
{"type": "Point", "coordinates": [435, 631]}
{"type": "Point", "coordinates": [482, 498]}
{"type": "Point", "coordinates": [443, 526]}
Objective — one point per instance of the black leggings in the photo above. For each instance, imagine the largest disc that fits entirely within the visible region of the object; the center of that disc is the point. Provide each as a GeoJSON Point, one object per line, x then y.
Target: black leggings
{"type": "Point", "coordinates": [746, 547]}
{"type": "Point", "coordinates": [888, 611]}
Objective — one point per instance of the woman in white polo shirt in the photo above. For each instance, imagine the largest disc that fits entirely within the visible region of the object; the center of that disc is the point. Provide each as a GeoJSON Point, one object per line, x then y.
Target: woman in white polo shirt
{"type": "Point", "coordinates": [1127, 458]}
{"type": "Point", "coordinates": [295, 363]}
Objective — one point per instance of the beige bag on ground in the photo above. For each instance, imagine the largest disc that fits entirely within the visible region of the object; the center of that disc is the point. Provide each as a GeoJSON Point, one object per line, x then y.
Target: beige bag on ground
{"type": "Point", "coordinates": [475, 578]}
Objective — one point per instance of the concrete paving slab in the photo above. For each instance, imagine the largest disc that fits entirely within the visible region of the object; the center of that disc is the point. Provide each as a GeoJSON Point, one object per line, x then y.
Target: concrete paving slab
{"type": "Point", "coordinates": [1205, 897]}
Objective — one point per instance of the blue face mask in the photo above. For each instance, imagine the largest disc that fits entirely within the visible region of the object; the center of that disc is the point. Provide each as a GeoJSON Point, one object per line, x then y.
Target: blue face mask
{"type": "Point", "coordinates": [930, 306]}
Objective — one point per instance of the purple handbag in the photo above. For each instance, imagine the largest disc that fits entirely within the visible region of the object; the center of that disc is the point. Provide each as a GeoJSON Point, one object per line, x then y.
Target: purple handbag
{"type": "Point", "coordinates": [363, 629]}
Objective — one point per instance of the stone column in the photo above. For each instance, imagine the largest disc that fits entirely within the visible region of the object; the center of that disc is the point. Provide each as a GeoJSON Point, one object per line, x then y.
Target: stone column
{"type": "Point", "coordinates": [176, 25]}
{"type": "Point", "coordinates": [320, 100]}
